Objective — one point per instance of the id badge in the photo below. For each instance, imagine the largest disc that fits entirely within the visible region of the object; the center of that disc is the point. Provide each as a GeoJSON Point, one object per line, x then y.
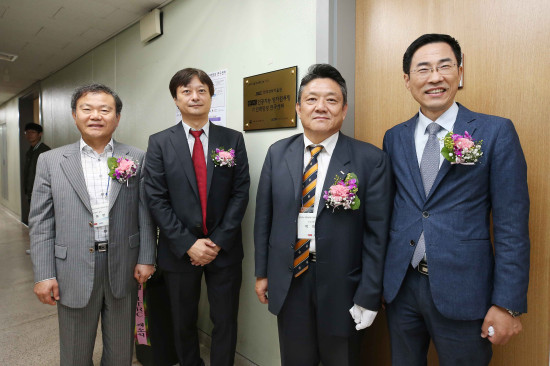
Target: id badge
{"type": "Point", "coordinates": [306, 225]}
{"type": "Point", "coordinates": [101, 214]}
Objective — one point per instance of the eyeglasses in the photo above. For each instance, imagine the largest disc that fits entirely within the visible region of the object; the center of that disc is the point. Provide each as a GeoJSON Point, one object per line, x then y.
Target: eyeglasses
{"type": "Point", "coordinates": [424, 71]}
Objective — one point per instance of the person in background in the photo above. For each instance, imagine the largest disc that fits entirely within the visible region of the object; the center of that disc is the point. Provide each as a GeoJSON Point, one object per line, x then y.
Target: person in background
{"type": "Point", "coordinates": [33, 134]}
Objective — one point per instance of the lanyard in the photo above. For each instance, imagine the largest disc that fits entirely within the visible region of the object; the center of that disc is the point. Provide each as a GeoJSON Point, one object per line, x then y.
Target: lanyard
{"type": "Point", "coordinates": [109, 178]}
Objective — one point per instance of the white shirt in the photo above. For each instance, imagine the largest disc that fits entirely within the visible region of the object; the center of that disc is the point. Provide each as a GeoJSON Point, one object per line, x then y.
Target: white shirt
{"type": "Point", "coordinates": [446, 121]}
{"type": "Point", "coordinates": [203, 138]}
{"type": "Point", "coordinates": [323, 160]}
{"type": "Point", "coordinates": [98, 182]}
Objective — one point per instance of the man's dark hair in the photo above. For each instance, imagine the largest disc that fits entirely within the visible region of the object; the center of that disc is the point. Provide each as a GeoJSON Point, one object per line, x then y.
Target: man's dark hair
{"type": "Point", "coordinates": [184, 76]}
{"type": "Point", "coordinates": [33, 126]}
{"type": "Point", "coordinates": [322, 71]}
{"type": "Point", "coordinates": [95, 88]}
{"type": "Point", "coordinates": [427, 39]}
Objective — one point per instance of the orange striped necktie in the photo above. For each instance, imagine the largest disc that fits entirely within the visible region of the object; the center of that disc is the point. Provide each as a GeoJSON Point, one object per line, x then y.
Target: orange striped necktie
{"type": "Point", "coordinates": [309, 181]}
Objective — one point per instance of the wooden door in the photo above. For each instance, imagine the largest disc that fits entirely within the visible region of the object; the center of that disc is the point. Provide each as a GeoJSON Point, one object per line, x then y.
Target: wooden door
{"type": "Point", "coordinates": [507, 73]}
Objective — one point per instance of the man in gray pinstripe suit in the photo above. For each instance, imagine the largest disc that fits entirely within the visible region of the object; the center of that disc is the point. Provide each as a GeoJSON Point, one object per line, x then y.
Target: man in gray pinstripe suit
{"type": "Point", "coordinates": [92, 239]}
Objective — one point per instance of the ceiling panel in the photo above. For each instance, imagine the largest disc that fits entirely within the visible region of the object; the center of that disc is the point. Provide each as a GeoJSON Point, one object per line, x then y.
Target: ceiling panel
{"type": "Point", "coordinates": [49, 34]}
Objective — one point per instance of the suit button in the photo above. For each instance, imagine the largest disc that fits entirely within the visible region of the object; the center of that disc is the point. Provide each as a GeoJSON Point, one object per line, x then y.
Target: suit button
{"type": "Point", "coordinates": [92, 250]}
{"type": "Point", "coordinates": [425, 214]}
{"type": "Point", "coordinates": [290, 268]}
{"type": "Point", "coordinates": [91, 223]}
{"type": "Point", "coordinates": [411, 243]}
{"type": "Point", "coordinates": [292, 245]}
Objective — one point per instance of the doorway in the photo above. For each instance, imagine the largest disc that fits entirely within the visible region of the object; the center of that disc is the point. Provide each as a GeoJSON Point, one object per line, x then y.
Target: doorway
{"type": "Point", "coordinates": [29, 111]}
{"type": "Point", "coordinates": [4, 162]}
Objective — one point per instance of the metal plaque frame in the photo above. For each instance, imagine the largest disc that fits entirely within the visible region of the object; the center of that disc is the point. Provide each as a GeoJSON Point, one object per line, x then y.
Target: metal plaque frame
{"type": "Point", "coordinates": [269, 100]}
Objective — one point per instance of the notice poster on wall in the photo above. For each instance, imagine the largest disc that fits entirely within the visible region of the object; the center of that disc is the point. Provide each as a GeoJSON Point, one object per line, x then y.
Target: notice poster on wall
{"type": "Point", "coordinates": [218, 109]}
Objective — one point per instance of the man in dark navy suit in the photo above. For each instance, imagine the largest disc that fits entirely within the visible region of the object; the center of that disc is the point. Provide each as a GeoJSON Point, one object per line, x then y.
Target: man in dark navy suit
{"type": "Point", "coordinates": [318, 259]}
{"type": "Point", "coordinates": [442, 279]}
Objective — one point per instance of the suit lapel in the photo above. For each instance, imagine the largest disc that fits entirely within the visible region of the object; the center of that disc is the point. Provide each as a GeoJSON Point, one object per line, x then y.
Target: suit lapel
{"type": "Point", "coordinates": [214, 141]}
{"type": "Point", "coordinates": [178, 139]}
{"type": "Point", "coordinates": [409, 147]}
{"type": "Point", "coordinates": [72, 168]}
{"type": "Point", "coordinates": [338, 165]}
{"type": "Point", "coordinates": [115, 186]}
{"type": "Point", "coordinates": [294, 158]}
{"type": "Point", "coordinates": [463, 123]}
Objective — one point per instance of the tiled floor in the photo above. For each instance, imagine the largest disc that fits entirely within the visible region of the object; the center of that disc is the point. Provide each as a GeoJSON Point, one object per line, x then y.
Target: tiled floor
{"type": "Point", "coordinates": [29, 329]}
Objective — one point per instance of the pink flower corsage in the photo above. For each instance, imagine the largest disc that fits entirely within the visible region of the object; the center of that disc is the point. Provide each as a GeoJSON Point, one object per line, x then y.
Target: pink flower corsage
{"type": "Point", "coordinates": [460, 149]}
{"type": "Point", "coordinates": [343, 193]}
{"type": "Point", "coordinates": [221, 157]}
{"type": "Point", "coordinates": [122, 169]}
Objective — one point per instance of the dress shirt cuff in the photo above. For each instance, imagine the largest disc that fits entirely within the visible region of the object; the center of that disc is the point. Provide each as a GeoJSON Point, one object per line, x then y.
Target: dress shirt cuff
{"type": "Point", "coordinates": [47, 279]}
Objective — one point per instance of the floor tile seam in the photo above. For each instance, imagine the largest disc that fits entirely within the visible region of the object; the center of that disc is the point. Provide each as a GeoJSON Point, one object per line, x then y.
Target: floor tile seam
{"type": "Point", "coordinates": [11, 241]}
{"type": "Point", "coordinates": [45, 317]}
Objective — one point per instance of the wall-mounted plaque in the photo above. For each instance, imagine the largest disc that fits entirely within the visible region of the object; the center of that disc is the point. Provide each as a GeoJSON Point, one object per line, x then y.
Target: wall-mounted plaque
{"type": "Point", "coordinates": [270, 100]}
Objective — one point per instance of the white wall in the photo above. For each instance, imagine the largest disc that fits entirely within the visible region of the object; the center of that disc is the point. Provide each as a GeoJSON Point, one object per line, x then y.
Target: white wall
{"type": "Point", "coordinates": [9, 114]}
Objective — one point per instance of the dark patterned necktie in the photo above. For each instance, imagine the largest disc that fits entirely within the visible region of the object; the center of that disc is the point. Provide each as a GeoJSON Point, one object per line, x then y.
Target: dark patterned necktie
{"type": "Point", "coordinates": [309, 181]}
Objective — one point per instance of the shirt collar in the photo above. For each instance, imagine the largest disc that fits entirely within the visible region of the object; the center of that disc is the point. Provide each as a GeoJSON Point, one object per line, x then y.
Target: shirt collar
{"type": "Point", "coordinates": [446, 120]}
{"type": "Point", "coordinates": [328, 144]}
{"type": "Point", "coordinates": [187, 128]}
{"type": "Point", "coordinates": [86, 148]}
{"type": "Point", "coordinates": [36, 146]}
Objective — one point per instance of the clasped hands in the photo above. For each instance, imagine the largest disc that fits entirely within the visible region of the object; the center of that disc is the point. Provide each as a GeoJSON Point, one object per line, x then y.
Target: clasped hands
{"type": "Point", "coordinates": [203, 252]}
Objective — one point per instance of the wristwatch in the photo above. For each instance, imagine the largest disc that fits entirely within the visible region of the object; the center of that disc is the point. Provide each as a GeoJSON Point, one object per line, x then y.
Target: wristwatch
{"type": "Point", "coordinates": [513, 313]}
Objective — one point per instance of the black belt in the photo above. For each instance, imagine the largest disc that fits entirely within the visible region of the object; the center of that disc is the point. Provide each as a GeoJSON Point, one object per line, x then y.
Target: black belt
{"type": "Point", "coordinates": [101, 246]}
{"type": "Point", "coordinates": [422, 267]}
{"type": "Point", "coordinates": [312, 256]}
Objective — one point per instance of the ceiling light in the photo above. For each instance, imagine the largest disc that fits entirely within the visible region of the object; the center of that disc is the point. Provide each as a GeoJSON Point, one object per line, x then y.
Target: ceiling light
{"type": "Point", "coordinates": [7, 57]}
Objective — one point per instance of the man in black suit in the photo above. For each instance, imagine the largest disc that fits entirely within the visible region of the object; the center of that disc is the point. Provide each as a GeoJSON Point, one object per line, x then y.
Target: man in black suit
{"type": "Point", "coordinates": [197, 188]}
{"type": "Point", "coordinates": [33, 134]}
{"type": "Point", "coordinates": [322, 216]}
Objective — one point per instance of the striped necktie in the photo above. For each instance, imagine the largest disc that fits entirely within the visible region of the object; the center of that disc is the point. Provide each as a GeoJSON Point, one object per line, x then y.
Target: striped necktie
{"type": "Point", "coordinates": [301, 248]}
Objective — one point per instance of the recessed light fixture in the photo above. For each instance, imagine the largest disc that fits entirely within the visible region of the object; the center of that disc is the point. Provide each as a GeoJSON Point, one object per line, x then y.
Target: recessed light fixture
{"type": "Point", "coordinates": [7, 57]}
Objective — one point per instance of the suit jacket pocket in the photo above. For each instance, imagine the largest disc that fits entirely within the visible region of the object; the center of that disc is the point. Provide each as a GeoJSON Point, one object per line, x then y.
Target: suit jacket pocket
{"type": "Point", "coordinates": [134, 240]}
{"type": "Point", "coordinates": [60, 252]}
